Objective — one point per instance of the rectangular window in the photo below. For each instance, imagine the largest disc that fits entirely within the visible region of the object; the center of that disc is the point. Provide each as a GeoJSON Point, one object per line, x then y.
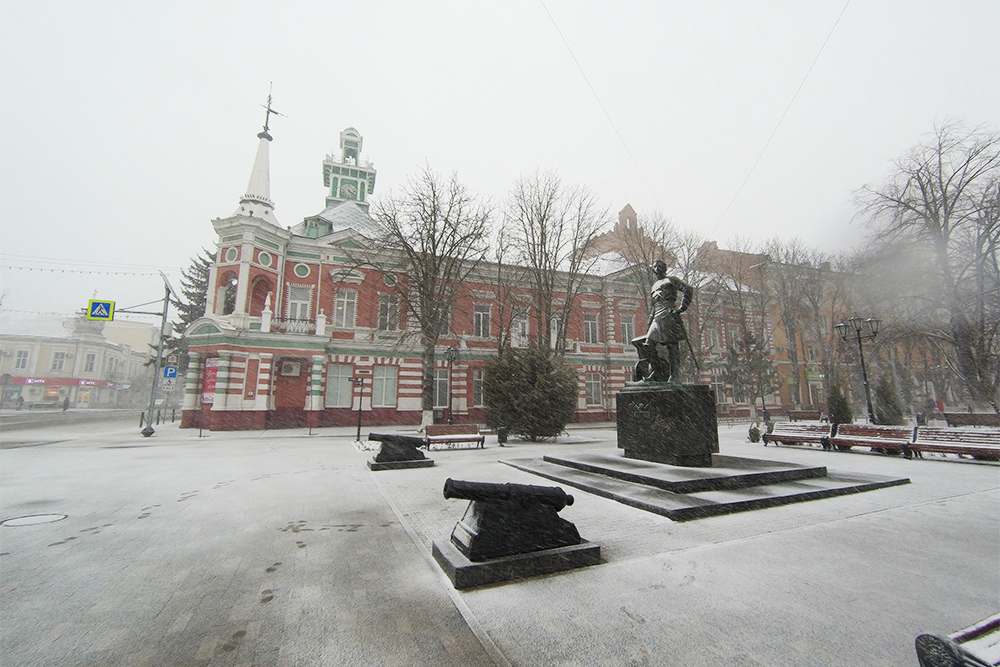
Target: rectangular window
{"type": "Point", "coordinates": [388, 312]}
{"type": "Point", "coordinates": [592, 382]}
{"type": "Point", "coordinates": [298, 302]}
{"type": "Point", "coordinates": [21, 360]}
{"type": "Point", "coordinates": [720, 392]}
{"type": "Point", "coordinates": [590, 328]}
{"type": "Point", "coordinates": [736, 337]}
{"type": "Point", "coordinates": [90, 362]}
{"type": "Point", "coordinates": [339, 387]}
{"type": "Point", "coordinates": [711, 336]}
{"type": "Point", "coordinates": [810, 354]}
{"type": "Point", "coordinates": [481, 321]}
{"type": "Point", "coordinates": [384, 387]}
{"type": "Point", "coordinates": [519, 331]}
{"type": "Point", "coordinates": [441, 388]}
{"type": "Point", "coordinates": [58, 361]}
{"type": "Point", "coordinates": [477, 388]}
{"type": "Point", "coordinates": [628, 328]}
{"type": "Point", "coordinates": [344, 307]}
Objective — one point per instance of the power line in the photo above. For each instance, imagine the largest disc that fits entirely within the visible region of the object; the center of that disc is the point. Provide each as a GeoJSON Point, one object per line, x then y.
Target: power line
{"type": "Point", "coordinates": [601, 104]}
{"type": "Point", "coordinates": [775, 130]}
{"type": "Point", "coordinates": [43, 269]}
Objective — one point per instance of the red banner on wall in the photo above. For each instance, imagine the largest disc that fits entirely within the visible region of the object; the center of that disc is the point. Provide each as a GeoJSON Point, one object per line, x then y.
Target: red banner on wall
{"type": "Point", "coordinates": [209, 379]}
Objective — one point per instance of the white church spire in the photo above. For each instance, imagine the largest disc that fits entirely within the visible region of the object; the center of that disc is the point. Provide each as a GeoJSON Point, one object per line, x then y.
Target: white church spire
{"type": "Point", "coordinates": [256, 203]}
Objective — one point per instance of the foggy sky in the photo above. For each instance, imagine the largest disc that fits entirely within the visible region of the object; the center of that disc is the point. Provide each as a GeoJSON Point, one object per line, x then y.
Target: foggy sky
{"type": "Point", "coordinates": [125, 128]}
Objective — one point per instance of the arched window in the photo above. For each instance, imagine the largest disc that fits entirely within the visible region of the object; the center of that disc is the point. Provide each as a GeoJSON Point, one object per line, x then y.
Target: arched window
{"type": "Point", "coordinates": [260, 287]}
{"type": "Point", "coordinates": [225, 296]}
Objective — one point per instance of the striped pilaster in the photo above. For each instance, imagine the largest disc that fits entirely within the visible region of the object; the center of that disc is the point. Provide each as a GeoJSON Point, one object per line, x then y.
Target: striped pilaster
{"type": "Point", "coordinates": [222, 381]}
{"type": "Point", "coordinates": [192, 393]}
{"type": "Point", "coordinates": [265, 375]}
{"type": "Point", "coordinates": [316, 382]}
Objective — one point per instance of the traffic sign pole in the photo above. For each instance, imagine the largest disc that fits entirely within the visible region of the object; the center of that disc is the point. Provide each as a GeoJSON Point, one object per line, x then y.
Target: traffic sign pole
{"type": "Point", "coordinates": [148, 431]}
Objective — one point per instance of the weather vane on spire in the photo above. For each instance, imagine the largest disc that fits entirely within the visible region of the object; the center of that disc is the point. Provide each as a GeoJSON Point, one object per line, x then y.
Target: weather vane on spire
{"type": "Point", "coordinates": [267, 116]}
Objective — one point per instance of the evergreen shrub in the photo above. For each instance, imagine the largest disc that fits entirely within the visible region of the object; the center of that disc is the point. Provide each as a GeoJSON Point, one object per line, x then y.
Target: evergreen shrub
{"type": "Point", "coordinates": [888, 410]}
{"type": "Point", "coordinates": [529, 391]}
{"type": "Point", "coordinates": [838, 408]}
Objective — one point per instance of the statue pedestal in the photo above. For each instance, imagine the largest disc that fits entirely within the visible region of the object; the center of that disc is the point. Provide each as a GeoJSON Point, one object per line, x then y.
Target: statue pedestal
{"type": "Point", "coordinates": [668, 423]}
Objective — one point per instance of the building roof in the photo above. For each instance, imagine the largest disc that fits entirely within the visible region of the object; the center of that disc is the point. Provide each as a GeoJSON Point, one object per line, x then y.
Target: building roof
{"type": "Point", "coordinates": [340, 216]}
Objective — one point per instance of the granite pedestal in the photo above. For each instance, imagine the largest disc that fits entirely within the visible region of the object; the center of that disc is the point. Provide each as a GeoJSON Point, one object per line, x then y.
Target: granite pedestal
{"type": "Point", "coordinates": [376, 465]}
{"type": "Point", "coordinates": [668, 423]}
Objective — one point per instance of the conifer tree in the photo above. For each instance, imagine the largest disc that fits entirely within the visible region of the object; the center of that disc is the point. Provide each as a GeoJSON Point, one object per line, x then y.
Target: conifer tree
{"type": "Point", "coordinates": [887, 407]}
{"type": "Point", "coordinates": [531, 392]}
{"type": "Point", "coordinates": [837, 406]}
{"type": "Point", "coordinates": [194, 286]}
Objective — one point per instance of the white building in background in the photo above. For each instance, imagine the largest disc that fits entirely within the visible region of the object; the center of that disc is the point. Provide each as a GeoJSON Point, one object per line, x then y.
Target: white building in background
{"type": "Point", "coordinates": [45, 360]}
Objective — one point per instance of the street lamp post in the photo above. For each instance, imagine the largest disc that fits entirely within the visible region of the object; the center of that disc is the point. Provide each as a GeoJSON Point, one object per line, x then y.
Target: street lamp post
{"type": "Point", "coordinates": [359, 382]}
{"type": "Point", "coordinates": [451, 354]}
{"type": "Point", "coordinates": [862, 330]}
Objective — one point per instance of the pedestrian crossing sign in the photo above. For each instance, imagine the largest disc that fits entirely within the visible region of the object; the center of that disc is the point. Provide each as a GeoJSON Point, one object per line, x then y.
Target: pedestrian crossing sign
{"type": "Point", "coordinates": [101, 310]}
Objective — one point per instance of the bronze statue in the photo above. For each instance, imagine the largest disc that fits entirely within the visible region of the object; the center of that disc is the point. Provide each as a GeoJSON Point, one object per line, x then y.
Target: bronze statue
{"type": "Point", "coordinates": [665, 329]}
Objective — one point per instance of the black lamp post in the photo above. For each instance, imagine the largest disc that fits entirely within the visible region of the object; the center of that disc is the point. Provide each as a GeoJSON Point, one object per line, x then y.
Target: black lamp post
{"type": "Point", "coordinates": [860, 330]}
{"type": "Point", "coordinates": [451, 354]}
{"type": "Point", "coordinates": [359, 382]}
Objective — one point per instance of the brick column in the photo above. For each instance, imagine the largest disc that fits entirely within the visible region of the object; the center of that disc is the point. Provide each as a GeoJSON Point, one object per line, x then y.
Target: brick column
{"type": "Point", "coordinates": [191, 407]}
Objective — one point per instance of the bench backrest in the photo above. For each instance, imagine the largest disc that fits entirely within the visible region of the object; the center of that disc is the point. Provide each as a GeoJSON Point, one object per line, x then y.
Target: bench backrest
{"type": "Point", "coordinates": [796, 428]}
{"type": "Point", "coordinates": [971, 436]}
{"type": "Point", "coordinates": [453, 429]}
{"type": "Point", "coordinates": [972, 419]}
{"type": "Point", "coordinates": [873, 431]}
{"type": "Point", "coordinates": [804, 414]}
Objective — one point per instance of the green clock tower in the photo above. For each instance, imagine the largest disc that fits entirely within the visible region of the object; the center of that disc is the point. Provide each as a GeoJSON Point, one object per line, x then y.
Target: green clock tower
{"type": "Point", "coordinates": [347, 177]}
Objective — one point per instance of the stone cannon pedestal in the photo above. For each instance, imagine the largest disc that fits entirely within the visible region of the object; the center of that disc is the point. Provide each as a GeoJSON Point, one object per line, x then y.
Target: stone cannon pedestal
{"type": "Point", "coordinates": [668, 423]}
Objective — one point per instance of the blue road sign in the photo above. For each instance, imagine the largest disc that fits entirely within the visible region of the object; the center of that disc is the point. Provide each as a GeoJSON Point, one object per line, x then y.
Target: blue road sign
{"type": "Point", "coordinates": [100, 310]}
{"type": "Point", "coordinates": [170, 371]}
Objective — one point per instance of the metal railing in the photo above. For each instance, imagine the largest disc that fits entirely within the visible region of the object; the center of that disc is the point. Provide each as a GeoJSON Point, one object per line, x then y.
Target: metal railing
{"type": "Point", "coordinates": [294, 326]}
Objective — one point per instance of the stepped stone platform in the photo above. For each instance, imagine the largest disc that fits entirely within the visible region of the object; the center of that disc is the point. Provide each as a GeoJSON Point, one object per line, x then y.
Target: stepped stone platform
{"type": "Point", "coordinates": [732, 484]}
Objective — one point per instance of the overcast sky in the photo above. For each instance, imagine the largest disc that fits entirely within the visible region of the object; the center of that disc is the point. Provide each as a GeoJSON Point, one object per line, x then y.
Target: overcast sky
{"type": "Point", "coordinates": [126, 127]}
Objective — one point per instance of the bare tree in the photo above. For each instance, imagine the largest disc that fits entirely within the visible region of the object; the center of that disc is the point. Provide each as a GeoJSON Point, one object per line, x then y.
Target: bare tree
{"type": "Point", "coordinates": [439, 229]}
{"type": "Point", "coordinates": [556, 230]}
{"type": "Point", "coordinates": [941, 199]}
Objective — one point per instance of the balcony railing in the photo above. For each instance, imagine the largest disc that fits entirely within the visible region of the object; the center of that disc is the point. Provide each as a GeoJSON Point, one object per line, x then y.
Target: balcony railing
{"type": "Point", "coordinates": [294, 326]}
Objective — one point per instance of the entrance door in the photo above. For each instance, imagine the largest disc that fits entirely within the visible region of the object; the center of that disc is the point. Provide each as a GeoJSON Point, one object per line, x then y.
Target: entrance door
{"type": "Point", "coordinates": [291, 383]}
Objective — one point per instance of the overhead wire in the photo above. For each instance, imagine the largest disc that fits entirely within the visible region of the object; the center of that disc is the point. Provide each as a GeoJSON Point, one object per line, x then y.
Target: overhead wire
{"type": "Point", "coordinates": [780, 120]}
{"type": "Point", "coordinates": [601, 104]}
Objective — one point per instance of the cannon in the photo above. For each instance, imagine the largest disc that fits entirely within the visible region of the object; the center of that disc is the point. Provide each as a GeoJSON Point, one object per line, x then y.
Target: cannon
{"type": "Point", "coordinates": [550, 495]}
{"type": "Point", "coordinates": [396, 447]}
{"type": "Point", "coordinates": [509, 519]}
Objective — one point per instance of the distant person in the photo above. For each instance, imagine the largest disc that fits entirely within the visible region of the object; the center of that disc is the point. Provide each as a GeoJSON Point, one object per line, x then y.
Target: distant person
{"type": "Point", "coordinates": [20, 402]}
{"type": "Point", "coordinates": [940, 406]}
{"type": "Point", "coordinates": [66, 404]}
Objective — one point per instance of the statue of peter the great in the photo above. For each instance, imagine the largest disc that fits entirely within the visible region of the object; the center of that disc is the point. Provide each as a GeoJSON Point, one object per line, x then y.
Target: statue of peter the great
{"type": "Point", "coordinates": [665, 328]}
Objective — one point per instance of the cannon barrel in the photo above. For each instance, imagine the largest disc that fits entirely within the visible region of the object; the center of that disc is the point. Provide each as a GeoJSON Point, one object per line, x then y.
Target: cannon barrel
{"type": "Point", "coordinates": [398, 438]}
{"type": "Point", "coordinates": [549, 495]}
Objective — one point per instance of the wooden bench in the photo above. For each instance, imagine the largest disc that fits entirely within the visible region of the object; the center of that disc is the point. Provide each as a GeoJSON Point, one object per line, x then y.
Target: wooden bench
{"type": "Point", "coordinates": [975, 646]}
{"type": "Point", "coordinates": [887, 439]}
{"type": "Point", "coordinates": [795, 432]}
{"type": "Point", "coordinates": [973, 419]}
{"type": "Point", "coordinates": [804, 415]}
{"type": "Point", "coordinates": [980, 443]}
{"type": "Point", "coordinates": [452, 436]}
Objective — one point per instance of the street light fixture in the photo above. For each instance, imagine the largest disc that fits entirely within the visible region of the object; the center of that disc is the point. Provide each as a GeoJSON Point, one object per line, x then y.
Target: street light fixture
{"type": "Point", "coordinates": [451, 354]}
{"type": "Point", "coordinates": [859, 330]}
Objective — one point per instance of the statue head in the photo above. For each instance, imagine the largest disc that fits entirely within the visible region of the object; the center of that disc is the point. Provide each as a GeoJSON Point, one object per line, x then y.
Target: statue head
{"type": "Point", "coordinates": [659, 268]}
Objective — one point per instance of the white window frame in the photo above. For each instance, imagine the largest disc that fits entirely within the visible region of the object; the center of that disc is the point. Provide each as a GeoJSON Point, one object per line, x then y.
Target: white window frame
{"type": "Point", "coordinates": [481, 320]}
{"type": "Point", "coordinates": [591, 328]}
{"type": "Point", "coordinates": [519, 331]}
{"type": "Point", "coordinates": [296, 306]}
{"type": "Point", "coordinates": [388, 312]}
{"type": "Point", "coordinates": [384, 386]}
{"type": "Point", "coordinates": [478, 378]}
{"type": "Point", "coordinates": [441, 381]}
{"type": "Point", "coordinates": [628, 329]}
{"type": "Point", "coordinates": [339, 386]}
{"type": "Point", "coordinates": [592, 383]}
{"type": "Point", "coordinates": [21, 359]}
{"type": "Point", "coordinates": [345, 308]}
{"type": "Point", "coordinates": [58, 360]}
{"type": "Point", "coordinates": [90, 362]}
